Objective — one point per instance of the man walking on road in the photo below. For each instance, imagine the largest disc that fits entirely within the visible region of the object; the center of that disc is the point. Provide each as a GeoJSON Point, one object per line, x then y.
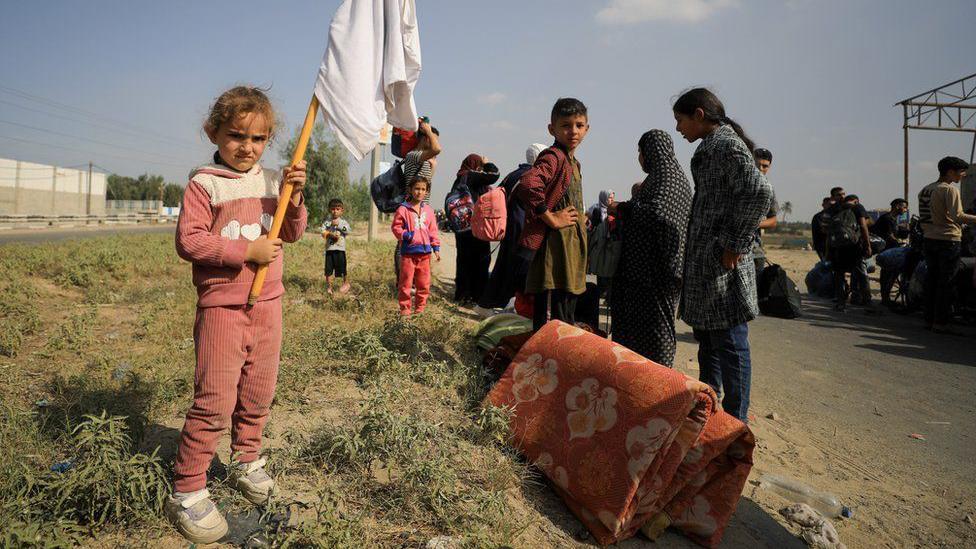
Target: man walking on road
{"type": "Point", "coordinates": [940, 213]}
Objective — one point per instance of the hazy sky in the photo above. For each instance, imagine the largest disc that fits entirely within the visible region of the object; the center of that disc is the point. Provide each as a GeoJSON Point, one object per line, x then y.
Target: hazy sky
{"type": "Point", "coordinates": [812, 80]}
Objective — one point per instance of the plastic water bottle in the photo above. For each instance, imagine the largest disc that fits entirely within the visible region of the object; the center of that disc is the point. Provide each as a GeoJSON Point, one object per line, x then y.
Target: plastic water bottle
{"type": "Point", "coordinates": [797, 492]}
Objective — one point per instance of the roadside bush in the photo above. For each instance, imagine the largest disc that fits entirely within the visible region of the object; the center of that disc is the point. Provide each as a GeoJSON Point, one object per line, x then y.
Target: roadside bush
{"type": "Point", "coordinates": [18, 316]}
{"type": "Point", "coordinates": [101, 482]}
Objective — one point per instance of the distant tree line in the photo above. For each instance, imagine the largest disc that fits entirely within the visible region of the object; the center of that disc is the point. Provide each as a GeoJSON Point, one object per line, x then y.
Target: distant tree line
{"type": "Point", "coordinates": [144, 187]}
{"type": "Point", "coordinates": [328, 178]}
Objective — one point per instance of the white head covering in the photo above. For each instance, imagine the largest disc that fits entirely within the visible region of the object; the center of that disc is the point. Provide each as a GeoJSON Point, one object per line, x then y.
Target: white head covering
{"type": "Point", "coordinates": [533, 152]}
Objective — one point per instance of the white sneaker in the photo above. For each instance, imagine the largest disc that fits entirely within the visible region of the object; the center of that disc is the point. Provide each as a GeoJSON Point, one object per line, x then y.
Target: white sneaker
{"type": "Point", "coordinates": [196, 517]}
{"type": "Point", "coordinates": [252, 481]}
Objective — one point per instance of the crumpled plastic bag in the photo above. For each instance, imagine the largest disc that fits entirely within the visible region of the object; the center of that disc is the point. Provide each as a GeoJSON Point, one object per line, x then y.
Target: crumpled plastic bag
{"type": "Point", "coordinates": [817, 531]}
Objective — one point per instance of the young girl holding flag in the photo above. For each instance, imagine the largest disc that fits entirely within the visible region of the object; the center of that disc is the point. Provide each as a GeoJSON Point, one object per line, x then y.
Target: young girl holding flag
{"type": "Point", "coordinates": [227, 211]}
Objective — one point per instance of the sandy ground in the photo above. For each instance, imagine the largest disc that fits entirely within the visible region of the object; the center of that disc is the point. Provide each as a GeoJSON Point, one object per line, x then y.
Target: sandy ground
{"type": "Point", "coordinates": [848, 390]}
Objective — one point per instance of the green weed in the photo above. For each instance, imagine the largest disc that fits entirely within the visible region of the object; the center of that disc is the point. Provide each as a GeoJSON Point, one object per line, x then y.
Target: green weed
{"type": "Point", "coordinates": [331, 527]}
{"type": "Point", "coordinates": [75, 333]}
{"type": "Point", "coordinates": [104, 482]}
{"type": "Point", "coordinates": [18, 316]}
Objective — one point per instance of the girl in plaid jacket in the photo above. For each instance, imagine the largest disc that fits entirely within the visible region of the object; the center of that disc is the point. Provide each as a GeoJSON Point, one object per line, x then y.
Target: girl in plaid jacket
{"type": "Point", "coordinates": [719, 293]}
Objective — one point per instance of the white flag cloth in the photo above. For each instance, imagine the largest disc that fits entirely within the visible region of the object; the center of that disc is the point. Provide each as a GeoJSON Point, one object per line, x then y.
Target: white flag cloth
{"type": "Point", "coordinates": [369, 71]}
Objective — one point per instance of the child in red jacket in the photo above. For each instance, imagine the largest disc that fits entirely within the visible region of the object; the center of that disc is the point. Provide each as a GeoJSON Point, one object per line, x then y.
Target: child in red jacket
{"type": "Point", "coordinates": [415, 227]}
{"type": "Point", "coordinates": [228, 208]}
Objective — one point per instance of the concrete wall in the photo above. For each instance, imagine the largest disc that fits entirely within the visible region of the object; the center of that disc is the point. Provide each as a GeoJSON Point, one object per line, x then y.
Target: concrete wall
{"type": "Point", "coordinates": [39, 189]}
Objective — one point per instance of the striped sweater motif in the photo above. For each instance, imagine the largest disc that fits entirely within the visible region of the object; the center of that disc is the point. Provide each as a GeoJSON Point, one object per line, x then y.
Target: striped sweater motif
{"type": "Point", "coordinates": [222, 212]}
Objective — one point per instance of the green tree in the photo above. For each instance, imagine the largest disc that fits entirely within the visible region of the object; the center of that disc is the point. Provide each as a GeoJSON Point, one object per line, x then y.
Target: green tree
{"type": "Point", "coordinates": [172, 194]}
{"type": "Point", "coordinates": [144, 187]}
{"type": "Point", "coordinates": [357, 199]}
{"type": "Point", "coordinates": [328, 173]}
{"type": "Point", "coordinates": [787, 209]}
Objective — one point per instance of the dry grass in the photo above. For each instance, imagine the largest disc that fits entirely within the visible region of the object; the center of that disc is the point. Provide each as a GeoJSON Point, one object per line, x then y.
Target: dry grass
{"type": "Point", "coordinates": [377, 435]}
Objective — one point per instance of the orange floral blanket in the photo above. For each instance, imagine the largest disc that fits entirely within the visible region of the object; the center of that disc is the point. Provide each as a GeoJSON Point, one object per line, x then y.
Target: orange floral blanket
{"type": "Point", "coordinates": [624, 441]}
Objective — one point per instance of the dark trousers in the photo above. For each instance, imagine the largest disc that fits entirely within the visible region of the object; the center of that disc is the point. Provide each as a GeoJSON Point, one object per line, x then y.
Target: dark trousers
{"type": "Point", "coordinates": [942, 262]}
{"type": "Point", "coordinates": [888, 278]}
{"type": "Point", "coordinates": [471, 273]}
{"type": "Point", "coordinates": [850, 260]}
{"type": "Point", "coordinates": [725, 363]}
{"type": "Point", "coordinates": [396, 265]}
{"type": "Point", "coordinates": [561, 303]}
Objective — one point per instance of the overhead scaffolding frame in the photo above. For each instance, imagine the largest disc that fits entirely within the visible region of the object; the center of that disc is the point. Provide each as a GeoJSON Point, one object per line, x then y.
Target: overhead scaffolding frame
{"type": "Point", "coordinates": [950, 108]}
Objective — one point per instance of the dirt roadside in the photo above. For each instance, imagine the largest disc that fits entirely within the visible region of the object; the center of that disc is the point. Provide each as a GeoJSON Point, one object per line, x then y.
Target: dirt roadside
{"type": "Point", "coordinates": [848, 390]}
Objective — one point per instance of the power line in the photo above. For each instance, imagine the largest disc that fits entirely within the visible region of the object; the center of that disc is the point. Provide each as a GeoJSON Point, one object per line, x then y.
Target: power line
{"type": "Point", "coordinates": [52, 103]}
{"type": "Point", "coordinates": [52, 132]}
{"type": "Point", "coordinates": [41, 168]}
{"type": "Point", "coordinates": [90, 153]}
{"type": "Point", "coordinates": [166, 140]}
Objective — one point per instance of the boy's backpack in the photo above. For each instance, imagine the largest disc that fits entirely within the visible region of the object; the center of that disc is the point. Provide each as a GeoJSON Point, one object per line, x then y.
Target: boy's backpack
{"type": "Point", "coordinates": [389, 189]}
{"type": "Point", "coordinates": [402, 142]}
{"type": "Point", "coordinates": [843, 229]}
{"type": "Point", "coordinates": [459, 207]}
{"type": "Point", "coordinates": [778, 295]}
{"type": "Point", "coordinates": [490, 215]}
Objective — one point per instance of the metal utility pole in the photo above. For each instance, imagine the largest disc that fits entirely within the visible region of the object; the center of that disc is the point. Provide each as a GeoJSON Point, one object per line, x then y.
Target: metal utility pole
{"type": "Point", "coordinates": [374, 171]}
{"type": "Point", "coordinates": [905, 107]}
{"type": "Point", "coordinates": [88, 202]}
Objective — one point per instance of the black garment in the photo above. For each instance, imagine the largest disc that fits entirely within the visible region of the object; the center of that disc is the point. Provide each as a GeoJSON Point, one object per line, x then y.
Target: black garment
{"type": "Point", "coordinates": [850, 259]}
{"type": "Point", "coordinates": [643, 321]}
{"type": "Point", "coordinates": [335, 263]}
{"type": "Point", "coordinates": [760, 263]}
{"type": "Point", "coordinates": [942, 262]}
{"type": "Point", "coordinates": [560, 302]}
{"type": "Point", "coordinates": [886, 227]}
{"type": "Point", "coordinates": [654, 226]}
{"type": "Point", "coordinates": [819, 237]}
{"type": "Point", "coordinates": [396, 266]}
{"type": "Point", "coordinates": [473, 260]}
{"type": "Point", "coordinates": [510, 270]}
{"type": "Point", "coordinates": [473, 255]}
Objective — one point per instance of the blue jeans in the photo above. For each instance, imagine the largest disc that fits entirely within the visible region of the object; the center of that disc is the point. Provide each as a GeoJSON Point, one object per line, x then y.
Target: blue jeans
{"type": "Point", "coordinates": [725, 364]}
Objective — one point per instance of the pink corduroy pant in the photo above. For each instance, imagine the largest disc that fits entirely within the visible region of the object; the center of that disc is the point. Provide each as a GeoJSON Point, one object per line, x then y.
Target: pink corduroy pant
{"type": "Point", "coordinates": [238, 349]}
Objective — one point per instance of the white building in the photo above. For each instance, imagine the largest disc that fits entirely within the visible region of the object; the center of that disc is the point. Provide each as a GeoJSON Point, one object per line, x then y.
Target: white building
{"type": "Point", "coordinates": [39, 189]}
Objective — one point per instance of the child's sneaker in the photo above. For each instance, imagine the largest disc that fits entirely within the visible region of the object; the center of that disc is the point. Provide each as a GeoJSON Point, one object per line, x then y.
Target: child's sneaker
{"type": "Point", "coordinates": [196, 517]}
{"type": "Point", "coordinates": [252, 481]}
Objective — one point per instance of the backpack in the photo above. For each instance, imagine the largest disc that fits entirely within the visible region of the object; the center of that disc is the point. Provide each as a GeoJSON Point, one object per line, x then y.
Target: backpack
{"type": "Point", "coordinates": [490, 215]}
{"type": "Point", "coordinates": [820, 280]}
{"type": "Point", "coordinates": [778, 295]}
{"type": "Point", "coordinates": [402, 142]}
{"type": "Point", "coordinates": [389, 189]}
{"type": "Point", "coordinates": [603, 254]}
{"type": "Point", "coordinates": [842, 228]}
{"type": "Point", "coordinates": [459, 207]}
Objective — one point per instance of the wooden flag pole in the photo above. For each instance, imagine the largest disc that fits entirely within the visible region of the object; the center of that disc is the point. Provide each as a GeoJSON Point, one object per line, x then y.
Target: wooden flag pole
{"type": "Point", "coordinates": [284, 198]}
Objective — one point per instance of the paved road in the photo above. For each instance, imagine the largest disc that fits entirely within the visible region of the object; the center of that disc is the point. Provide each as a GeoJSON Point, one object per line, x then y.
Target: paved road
{"type": "Point", "coordinates": [48, 235]}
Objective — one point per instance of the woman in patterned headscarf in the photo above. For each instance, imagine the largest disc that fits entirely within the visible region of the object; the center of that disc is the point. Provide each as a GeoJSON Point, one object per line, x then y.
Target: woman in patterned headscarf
{"type": "Point", "coordinates": [648, 280]}
{"type": "Point", "coordinates": [473, 255]}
